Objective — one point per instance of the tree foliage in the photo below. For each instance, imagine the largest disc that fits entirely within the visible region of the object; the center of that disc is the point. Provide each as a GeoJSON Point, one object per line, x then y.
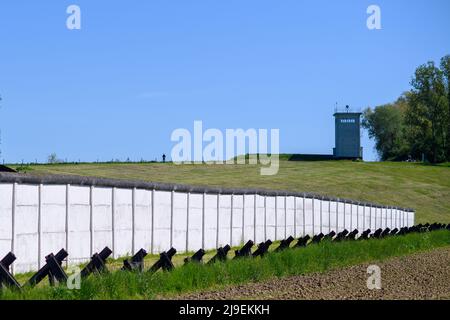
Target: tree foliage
{"type": "Point", "coordinates": [427, 113]}
{"type": "Point", "coordinates": [445, 68]}
{"type": "Point", "coordinates": [385, 125]}
{"type": "Point", "coordinates": [53, 158]}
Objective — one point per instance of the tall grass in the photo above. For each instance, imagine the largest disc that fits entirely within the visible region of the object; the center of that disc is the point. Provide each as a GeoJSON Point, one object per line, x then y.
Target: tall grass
{"type": "Point", "coordinates": [314, 258]}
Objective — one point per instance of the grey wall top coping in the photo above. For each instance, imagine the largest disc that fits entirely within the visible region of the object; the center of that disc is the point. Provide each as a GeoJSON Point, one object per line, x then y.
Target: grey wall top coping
{"type": "Point", "coordinates": [138, 184]}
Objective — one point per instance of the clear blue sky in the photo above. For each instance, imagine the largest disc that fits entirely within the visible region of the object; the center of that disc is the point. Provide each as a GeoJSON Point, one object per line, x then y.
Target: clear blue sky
{"type": "Point", "coordinates": [137, 70]}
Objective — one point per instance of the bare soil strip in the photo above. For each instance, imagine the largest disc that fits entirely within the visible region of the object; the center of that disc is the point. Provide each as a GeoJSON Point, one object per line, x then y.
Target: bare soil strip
{"type": "Point", "coordinates": [424, 275]}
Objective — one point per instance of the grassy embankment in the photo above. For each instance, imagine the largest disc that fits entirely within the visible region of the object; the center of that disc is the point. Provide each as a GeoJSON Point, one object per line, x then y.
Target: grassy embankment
{"type": "Point", "coordinates": [425, 188]}
{"type": "Point", "coordinates": [193, 277]}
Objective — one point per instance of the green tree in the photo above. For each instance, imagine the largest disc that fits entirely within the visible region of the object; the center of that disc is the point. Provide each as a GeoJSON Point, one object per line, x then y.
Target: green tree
{"type": "Point", "coordinates": [445, 68]}
{"type": "Point", "coordinates": [427, 113]}
{"type": "Point", "coordinates": [385, 125]}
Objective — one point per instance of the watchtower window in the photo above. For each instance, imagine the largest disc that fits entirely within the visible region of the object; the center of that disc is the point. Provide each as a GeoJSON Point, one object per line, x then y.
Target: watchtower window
{"type": "Point", "coordinates": [347, 120]}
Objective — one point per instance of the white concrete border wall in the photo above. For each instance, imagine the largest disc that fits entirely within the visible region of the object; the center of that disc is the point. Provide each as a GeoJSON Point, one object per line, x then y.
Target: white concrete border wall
{"type": "Point", "coordinates": [39, 215]}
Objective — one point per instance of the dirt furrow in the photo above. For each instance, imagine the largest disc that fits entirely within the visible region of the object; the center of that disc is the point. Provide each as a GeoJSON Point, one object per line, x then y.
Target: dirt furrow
{"type": "Point", "coordinates": [423, 275]}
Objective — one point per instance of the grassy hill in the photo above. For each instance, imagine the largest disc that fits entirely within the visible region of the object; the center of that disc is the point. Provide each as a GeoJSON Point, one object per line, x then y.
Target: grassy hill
{"type": "Point", "coordinates": [422, 187]}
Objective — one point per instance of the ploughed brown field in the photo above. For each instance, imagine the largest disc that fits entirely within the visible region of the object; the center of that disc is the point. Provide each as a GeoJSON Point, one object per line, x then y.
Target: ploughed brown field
{"type": "Point", "coordinates": [424, 275]}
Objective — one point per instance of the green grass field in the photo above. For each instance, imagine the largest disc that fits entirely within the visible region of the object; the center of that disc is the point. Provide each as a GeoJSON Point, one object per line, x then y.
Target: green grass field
{"type": "Point", "coordinates": [425, 188]}
{"type": "Point", "coordinates": [193, 277]}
